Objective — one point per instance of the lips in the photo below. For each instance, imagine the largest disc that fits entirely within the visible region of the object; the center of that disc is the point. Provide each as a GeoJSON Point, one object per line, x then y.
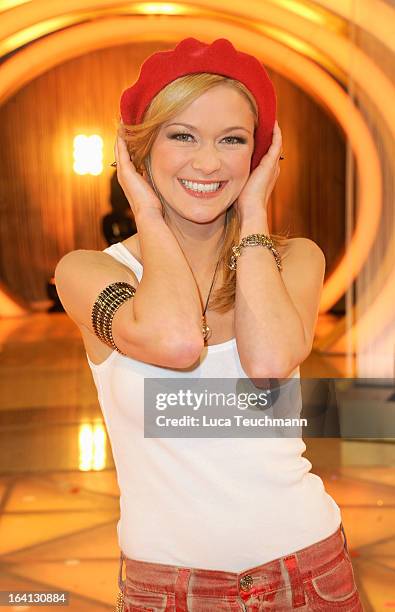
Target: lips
{"type": "Point", "coordinates": [201, 181]}
{"type": "Point", "coordinates": [203, 194]}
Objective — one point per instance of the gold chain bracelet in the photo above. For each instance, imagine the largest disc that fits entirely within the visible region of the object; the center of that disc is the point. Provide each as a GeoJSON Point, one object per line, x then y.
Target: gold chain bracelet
{"type": "Point", "coordinates": [254, 240]}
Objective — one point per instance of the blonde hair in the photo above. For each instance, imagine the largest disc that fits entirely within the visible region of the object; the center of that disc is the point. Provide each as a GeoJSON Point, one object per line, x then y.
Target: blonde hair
{"type": "Point", "coordinates": [170, 101]}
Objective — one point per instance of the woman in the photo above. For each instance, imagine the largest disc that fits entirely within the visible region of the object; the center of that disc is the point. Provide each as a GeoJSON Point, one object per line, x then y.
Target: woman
{"type": "Point", "coordinates": [206, 523]}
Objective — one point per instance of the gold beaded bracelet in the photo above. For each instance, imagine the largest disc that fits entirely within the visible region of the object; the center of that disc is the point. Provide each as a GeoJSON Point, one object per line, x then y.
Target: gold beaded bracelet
{"type": "Point", "coordinates": [104, 308]}
{"type": "Point", "coordinates": [254, 240]}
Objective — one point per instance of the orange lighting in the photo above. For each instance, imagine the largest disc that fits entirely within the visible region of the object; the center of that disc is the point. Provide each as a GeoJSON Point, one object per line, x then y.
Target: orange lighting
{"type": "Point", "coordinates": [319, 38]}
{"type": "Point", "coordinates": [83, 38]}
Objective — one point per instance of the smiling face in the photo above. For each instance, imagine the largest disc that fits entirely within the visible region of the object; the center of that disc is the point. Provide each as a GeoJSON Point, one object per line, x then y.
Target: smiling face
{"type": "Point", "coordinates": [200, 159]}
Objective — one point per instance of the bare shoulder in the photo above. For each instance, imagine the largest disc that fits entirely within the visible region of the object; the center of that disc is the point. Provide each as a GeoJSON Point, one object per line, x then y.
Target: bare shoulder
{"type": "Point", "coordinates": [301, 250]}
{"type": "Point", "coordinates": [82, 257]}
{"type": "Point", "coordinates": [89, 261]}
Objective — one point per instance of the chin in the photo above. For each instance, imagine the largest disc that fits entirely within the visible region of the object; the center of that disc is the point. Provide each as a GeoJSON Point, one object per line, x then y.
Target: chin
{"type": "Point", "coordinates": [202, 216]}
{"type": "Point", "coordinates": [198, 210]}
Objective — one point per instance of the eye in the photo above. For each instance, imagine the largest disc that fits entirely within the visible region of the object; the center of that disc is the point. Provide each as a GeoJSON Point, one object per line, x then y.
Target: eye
{"type": "Point", "coordinates": [181, 136]}
{"type": "Point", "coordinates": [235, 140]}
{"type": "Point", "coordinates": [184, 137]}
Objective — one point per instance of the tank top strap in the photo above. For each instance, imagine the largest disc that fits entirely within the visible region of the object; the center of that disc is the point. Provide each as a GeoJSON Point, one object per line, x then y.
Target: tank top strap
{"type": "Point", "coordinates": [123, 255]}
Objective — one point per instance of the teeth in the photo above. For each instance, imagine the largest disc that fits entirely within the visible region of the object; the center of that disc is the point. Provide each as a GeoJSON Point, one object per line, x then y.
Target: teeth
{"type": "Point", "coordinates": [200, 186]}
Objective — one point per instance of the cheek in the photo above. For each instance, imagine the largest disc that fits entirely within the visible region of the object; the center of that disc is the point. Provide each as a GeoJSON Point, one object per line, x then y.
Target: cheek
{"type": "Point", "coordinates": [241, 167]}
{"type": "Point", "coordinates": [167, 160]}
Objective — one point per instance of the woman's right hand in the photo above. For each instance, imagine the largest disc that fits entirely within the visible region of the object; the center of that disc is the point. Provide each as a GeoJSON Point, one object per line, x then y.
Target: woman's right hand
{"type": "Point", "coordinates": [138, 191]}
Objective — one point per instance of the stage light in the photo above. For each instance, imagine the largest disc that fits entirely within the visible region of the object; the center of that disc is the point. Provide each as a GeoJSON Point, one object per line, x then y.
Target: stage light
{"type": "Point", "coordinates": [88, 154]}
{"type": "Point", "coordinates": [92, 447]}
{"type": "Point", "coordinates": [156, 8]}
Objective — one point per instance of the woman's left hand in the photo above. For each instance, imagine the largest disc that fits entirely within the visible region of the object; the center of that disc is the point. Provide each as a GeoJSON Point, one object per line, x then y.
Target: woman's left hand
{"type": "Point", "coordinates": [254, 196]}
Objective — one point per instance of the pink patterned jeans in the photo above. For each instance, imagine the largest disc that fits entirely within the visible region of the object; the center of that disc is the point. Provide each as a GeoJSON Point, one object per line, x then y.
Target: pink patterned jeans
{"type": "Point", "coordinates": [318, 577]}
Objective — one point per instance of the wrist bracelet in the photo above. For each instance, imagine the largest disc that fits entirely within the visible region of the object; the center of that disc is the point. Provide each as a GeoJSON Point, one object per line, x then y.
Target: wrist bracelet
{"type": "Point", "coordinates": [254, 240]}
{"type": "Point", "coordinates": [104, 308]}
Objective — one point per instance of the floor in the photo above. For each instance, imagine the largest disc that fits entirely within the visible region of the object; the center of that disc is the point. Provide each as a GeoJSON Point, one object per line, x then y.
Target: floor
{"type": "Point", "coordinates": [58, 489]}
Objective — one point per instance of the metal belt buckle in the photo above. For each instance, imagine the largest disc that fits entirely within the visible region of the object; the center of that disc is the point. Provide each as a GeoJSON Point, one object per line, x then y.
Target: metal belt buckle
{"type": "Point", "coordinates": [120, 602]}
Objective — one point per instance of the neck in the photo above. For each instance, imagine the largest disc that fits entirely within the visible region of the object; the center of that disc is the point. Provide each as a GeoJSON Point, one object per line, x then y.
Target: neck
{"type": "Point", "coordinates": [201, 243]}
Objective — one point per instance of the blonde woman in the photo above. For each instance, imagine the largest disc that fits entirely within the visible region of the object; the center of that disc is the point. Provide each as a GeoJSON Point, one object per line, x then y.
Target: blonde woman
{"type": "Point", "coordinates": [206, 524]}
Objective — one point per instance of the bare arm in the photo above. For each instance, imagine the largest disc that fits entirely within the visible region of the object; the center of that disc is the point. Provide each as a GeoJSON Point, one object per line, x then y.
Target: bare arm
{"type": "Point", "coordinates": [156, 325]}
{"type": "Point", "coordinates": [168, 296]}
{"type": "Point", "coordinates": [167, 299]}
{"type": "Point", "coordinates": [161, 324]}
{"type": "Point", "coordinates": [276, 313]}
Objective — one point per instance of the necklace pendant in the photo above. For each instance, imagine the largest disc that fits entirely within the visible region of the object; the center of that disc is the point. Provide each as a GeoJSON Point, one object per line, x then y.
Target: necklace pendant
{"type": "Point", "coordinates": [205, 329]}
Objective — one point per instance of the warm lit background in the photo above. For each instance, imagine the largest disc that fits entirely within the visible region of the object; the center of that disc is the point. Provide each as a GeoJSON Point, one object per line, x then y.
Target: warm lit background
{"type": "Point", "coordinates": [63, 66]}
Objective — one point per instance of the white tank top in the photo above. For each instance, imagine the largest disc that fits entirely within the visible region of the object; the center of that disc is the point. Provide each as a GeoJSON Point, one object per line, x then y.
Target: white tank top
{"type": "Point", "coordinates": [214, 503]}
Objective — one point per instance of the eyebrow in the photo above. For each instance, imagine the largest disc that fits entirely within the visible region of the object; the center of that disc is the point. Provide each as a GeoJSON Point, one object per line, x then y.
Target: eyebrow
{"type": "Point", "coordinates": [229, 129]}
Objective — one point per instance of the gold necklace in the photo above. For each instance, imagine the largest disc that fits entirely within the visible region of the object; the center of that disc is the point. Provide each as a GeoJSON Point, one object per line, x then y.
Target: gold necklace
{"type": "Point", "coordinates": [205, 328]}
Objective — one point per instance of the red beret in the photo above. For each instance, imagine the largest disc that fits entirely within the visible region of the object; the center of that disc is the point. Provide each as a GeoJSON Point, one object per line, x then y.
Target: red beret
{"type": "Point", "coordinates": [192, 56]}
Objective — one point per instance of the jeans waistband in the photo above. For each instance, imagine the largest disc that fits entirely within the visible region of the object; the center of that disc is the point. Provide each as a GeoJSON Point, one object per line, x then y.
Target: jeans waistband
{"type": "Point", "coordinates": [306, 562]}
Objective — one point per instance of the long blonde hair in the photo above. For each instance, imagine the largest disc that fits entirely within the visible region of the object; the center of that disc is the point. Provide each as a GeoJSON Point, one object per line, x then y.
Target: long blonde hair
{"type": "Point", "coordinates": [170, 101]}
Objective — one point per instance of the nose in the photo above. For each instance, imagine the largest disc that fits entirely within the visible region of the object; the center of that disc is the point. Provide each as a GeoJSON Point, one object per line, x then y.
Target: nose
{"type": "Point", "coordinates": [206, 159]}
